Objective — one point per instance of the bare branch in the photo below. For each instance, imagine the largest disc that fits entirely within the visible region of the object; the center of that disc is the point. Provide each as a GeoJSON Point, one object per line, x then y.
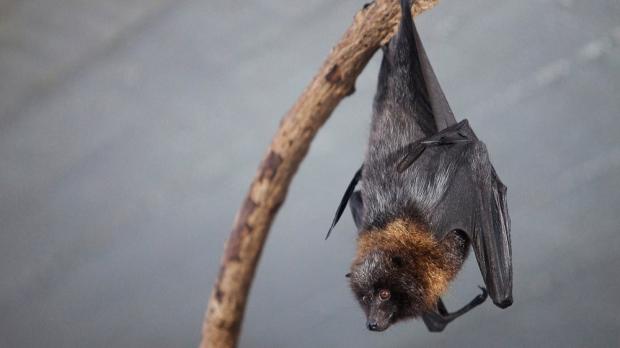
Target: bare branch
{"type": "Point", "coordinates": [372, 27]}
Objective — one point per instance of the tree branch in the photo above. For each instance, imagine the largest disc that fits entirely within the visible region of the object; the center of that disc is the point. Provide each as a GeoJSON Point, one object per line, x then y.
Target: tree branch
{"type": "Point", "coordinates": [372, 27]}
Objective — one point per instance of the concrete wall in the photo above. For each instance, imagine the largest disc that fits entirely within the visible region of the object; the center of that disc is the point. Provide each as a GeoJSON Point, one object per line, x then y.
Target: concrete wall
{"type": "Point", "coordinates": [130, 130]}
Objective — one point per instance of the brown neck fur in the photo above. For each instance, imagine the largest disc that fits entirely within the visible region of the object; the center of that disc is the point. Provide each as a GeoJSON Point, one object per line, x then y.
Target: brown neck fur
{"type": "Point", "coordinates": [433, 263]}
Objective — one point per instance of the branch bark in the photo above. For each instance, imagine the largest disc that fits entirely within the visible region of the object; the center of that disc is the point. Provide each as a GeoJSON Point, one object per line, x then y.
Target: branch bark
{"type": "Point", "coordinates": [372, 27]}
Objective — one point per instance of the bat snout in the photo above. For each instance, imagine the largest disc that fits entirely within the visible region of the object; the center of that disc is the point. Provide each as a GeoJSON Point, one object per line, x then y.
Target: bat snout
{"type": "Point", "coordinates": [379, 320]}
{"type": "Point", "coordinates": [374, 325]}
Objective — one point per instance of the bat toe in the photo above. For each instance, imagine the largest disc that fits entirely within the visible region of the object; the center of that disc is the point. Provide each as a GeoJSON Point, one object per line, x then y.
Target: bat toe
{"type": "Point", "coordinates": [480, 298]}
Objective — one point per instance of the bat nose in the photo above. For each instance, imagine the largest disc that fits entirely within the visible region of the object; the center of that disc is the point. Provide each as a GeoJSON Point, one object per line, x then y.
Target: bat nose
{"type": "Point", "coordinates": [372, 325]}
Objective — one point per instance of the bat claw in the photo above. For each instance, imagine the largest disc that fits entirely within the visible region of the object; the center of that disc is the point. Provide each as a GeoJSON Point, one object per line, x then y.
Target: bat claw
{"type": "Point", "coordinates": [480, 298]}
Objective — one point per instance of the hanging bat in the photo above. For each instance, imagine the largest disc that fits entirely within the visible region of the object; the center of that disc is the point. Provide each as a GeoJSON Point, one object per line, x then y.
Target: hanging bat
{"type": "Point", "coordinates": [428, 192]}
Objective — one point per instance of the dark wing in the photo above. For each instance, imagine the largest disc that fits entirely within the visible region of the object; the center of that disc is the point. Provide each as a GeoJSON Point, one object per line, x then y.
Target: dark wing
{"type": "Point", "coordinates": [467, 196]}
{"type": "Point", "coordinates": [357, 208]}
{"type": "Point", "coordinates": [439, 104]}
{"type": "Point", "coordinates": [345, 200]}
{"type": "Point", "coordinates": [407, 83]}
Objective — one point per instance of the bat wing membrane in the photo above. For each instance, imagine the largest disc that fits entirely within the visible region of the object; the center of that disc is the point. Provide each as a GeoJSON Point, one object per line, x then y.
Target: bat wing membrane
{"type": "Point", "coordinates": [357, 208]}
{"type": "Point", "coordinates": [407, 83]}
{"type": "Point", "coordinates": [470, 198]}
{"type": "Point", "coordinates": [441, 109]}
{"type": "Point", "coordinates": [345, 200]}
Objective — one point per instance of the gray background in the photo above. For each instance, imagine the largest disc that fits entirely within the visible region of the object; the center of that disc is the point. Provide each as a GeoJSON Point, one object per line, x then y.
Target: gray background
{"type": "Point", "coordinates": [130, 130]}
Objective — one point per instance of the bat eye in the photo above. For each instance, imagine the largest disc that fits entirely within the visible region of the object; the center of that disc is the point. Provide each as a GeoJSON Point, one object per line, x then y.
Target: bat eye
{"type": "Point", "coordinates": [384, 294]}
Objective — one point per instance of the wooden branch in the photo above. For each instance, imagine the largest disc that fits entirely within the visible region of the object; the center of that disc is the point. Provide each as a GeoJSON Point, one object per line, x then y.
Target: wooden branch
{"type": "Point", "coordinates": [372, 26]}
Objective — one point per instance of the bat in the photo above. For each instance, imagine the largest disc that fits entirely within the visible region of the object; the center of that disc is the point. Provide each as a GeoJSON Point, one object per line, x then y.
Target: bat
{"type": "Point", "coordinates": [428, 192]}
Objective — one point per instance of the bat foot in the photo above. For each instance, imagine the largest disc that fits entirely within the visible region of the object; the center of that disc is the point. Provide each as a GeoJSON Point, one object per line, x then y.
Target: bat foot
{"type": "Point", "coordinates": [480, 298]}
{"type": "Point", "coordinates": [438, 319]}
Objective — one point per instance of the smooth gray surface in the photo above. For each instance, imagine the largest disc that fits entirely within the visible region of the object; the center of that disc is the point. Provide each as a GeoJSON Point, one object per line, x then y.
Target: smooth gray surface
{"type": "Point", "coordinates": [130, 130]}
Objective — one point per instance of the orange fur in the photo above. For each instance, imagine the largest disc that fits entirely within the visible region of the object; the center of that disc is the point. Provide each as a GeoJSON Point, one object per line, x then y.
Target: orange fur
{"type": "Point", "coordinates": [432, 262]}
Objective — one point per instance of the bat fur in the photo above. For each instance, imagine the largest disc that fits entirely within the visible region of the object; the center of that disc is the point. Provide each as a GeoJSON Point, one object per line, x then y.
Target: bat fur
{"type": "Point", "coordinates": [428, 192]}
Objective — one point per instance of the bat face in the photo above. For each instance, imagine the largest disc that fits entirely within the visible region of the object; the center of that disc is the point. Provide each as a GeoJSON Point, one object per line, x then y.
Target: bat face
{"type": "Point", "coordinates": [375, 290]}
{"type": "Point", "coordinates": [376, 281]}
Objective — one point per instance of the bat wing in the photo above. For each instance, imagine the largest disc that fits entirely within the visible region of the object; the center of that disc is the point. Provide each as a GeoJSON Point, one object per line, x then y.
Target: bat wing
{"type": "Point", "coordinates": [407, 83]}
{"type": "Point", "coordinates": [465, 195]}
{"type": "Point", "coordinates": [357, 208]}
{"type": "Point", "coordinates": [345, 200]}
{"type": "Point", "coordinates": [441, 109]}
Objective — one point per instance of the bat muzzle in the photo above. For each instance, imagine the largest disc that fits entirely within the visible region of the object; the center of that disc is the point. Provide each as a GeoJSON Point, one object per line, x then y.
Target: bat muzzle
{"type": "Point", "coordinates": [379, 321]}
{"type": "Point", "coordinates": [373, 325]}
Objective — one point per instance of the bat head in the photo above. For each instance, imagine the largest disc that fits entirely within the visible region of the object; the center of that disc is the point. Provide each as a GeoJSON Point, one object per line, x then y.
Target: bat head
{"type": "Point", "coordinates": [401, 270]}
{"type": "Point", "coordinates": [384, 291]}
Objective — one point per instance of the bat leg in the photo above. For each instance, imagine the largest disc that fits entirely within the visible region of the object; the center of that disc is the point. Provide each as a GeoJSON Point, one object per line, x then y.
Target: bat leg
{"type": "Point", "coordinates": [438, 319]}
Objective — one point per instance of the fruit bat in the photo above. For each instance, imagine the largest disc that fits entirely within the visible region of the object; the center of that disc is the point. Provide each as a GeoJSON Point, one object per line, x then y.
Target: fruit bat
{"type": "Point", "coordinates": [428, 191]}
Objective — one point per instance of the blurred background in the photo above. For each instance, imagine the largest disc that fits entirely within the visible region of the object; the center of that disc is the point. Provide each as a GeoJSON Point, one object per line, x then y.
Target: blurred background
{"type": "Point", "coordinates": [131, 129]}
